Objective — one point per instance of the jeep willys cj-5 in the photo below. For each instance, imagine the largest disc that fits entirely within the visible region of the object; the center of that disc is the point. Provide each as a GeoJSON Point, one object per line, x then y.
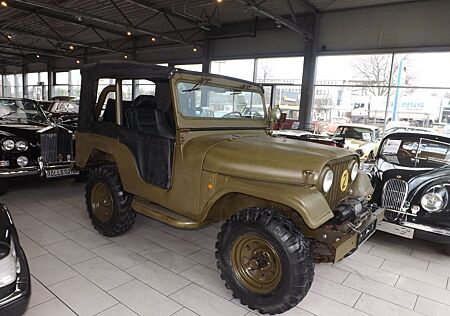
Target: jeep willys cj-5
{"type": "Point", "coordinates": [190, 152]}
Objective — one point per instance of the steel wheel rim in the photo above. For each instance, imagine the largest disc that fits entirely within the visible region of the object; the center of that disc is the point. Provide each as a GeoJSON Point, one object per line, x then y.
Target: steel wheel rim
{"type": "Point", "coordinates": [102, 202]}
{"type": "Point", "coordinates": [256, 263]}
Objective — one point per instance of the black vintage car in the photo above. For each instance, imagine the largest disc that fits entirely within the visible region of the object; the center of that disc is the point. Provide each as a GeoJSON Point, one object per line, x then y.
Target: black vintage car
{"type": "Point", "coordinates": [30, 144]}
{"type": "Point", "coordinates": [15, 287]}
{"type": "Point", "coordinates": [411, 178]}
{"type": "Point", "coordinates": [64, 113]}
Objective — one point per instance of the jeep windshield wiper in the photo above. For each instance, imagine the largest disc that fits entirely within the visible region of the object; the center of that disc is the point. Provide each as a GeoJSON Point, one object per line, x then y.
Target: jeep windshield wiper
{"type": "Point", "coordinates": [194, 88]}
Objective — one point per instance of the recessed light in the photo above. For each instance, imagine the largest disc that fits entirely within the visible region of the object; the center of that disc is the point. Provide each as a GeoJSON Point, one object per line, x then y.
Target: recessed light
{"type": "Point", "coordinates": [126, 57]}
{"type": "Point", "coordinates": [78, 61]}
{"type": "Point", "coordinates": [9, 36]}
{"type": "Point", "coordinates": [3, 3]}
{"type": "Point", "coordinates": [194, 49]}
{"type": "Point", "coordinates": [37, 56]}
{"type": "Point", "coordinates": [219, 1]}
{"type": "Point", "coordinates": [153, 39]}
{"type": "Point", "coordinates": [71, 47]}
{"type": "Point", "coordinates": [129, 33]}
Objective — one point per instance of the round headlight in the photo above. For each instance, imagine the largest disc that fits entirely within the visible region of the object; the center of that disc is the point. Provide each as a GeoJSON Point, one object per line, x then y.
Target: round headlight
{"type": "Point", "coordinates": [435, 199]}
{"type": "Point", "coordinates": [21, 145]}
{"type": "Point", "coordinates": [22, 161]}
{"type": "Point", "coordinates": [8, 144]}
{"type": "Point", "coordinates": [327, 180]}
{"type": "Point", "coordinates": [354, 170]}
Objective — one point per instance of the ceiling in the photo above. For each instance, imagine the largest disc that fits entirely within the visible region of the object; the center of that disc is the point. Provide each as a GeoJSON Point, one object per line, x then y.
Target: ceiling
{"type": "Point", "coordinates": [74, 29]}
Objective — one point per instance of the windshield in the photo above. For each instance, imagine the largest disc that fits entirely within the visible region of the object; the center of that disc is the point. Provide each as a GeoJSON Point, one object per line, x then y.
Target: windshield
{"type": "Point", "coordinates": [416, 152]}
{"type": "Point", "coordinates": [208, 101]}
{"type": "Point", "coordinates": [358, 133]}
{"type": "Point", "coordinates": [64, 107]}
{"type": "Point", "coordinates": [20, 110]}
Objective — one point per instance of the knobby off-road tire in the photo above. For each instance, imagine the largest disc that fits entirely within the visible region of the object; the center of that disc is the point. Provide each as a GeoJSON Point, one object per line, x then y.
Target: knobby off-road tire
{"type": "Point", "coordinates": [275, 233]}
{"type": "Point", "coordinates": [108, 205]}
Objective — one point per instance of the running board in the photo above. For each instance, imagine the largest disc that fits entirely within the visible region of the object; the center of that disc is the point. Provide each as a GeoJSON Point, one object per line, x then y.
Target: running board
{"type": "Point", "coordinates": [163, 214]}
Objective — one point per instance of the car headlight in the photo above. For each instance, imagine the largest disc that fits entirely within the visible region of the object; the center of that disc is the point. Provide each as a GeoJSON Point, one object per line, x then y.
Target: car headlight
{"type": "Point", "coordinates": [435, 199]}
{"type": "Point", "coordinates": [327, 180]}
{"type": "Point", "coordinates": [21, 145]}
{"type": "Point", "coordinates": [8, 144]}
{"type": "Point", "coordinates": [22, 161]}
{"type": "Point", "coordinates": [8, 264]}
{"type": "Point", "coordinates": [354, 170]}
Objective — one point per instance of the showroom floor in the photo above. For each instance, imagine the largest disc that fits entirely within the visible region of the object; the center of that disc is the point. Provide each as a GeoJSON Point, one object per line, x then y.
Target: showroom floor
{"type": "Point", "coordinates": [158, 270]}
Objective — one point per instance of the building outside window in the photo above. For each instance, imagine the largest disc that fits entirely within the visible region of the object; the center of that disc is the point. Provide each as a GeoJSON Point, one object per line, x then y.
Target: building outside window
{"type": "Point", "coordinates": [13, 86]}
{"type": "Point", "coordinates": [37, 86]}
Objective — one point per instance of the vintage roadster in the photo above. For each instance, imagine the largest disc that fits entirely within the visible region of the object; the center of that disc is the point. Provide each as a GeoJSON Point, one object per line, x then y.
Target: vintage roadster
{"type": "Point", "coordinates": [411, 178]}
{"type": "Point", "coordinates": [285, 203]}
{"type": "Point", "coordinates": [30, 144]}
{"type": "Point", "coordinates": [15, 283]}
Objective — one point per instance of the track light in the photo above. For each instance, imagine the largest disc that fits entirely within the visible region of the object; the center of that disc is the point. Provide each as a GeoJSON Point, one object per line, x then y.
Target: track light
{"type": "Point", "coordinates": [3, 3]}
{"type": "Point", "coordinates": [9, 36]}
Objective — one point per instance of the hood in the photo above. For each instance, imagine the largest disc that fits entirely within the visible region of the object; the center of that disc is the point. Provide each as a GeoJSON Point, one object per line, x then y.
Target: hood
{"type": "Point", "coordinates": [270, 158]}
{"type": "Point", "coordinates": [425, 178]}
{"type": "Point", "coordinates": [20, 130]}
{"type": "Point", "coordinates": [354, 144]}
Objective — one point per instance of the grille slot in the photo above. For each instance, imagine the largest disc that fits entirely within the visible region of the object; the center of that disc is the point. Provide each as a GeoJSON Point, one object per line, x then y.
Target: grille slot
{"type": "Point", "coordinates": [394, 194]}
{"type": "Point", "coordinates": [335, 195]}
{"type": "Point", "coordinates": [54, 144]}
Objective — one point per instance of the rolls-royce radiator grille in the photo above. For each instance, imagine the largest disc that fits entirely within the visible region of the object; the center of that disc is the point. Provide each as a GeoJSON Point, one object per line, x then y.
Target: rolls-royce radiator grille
{"type": "Point", "coordinates": [335, 195]}
{"type": "Point", "coordinates": [394, 194]}
{"type": "Point", "coordinates": [56, 147]}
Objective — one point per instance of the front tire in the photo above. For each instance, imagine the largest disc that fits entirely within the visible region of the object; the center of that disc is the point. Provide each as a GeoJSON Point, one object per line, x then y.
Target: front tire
{"type": "Point", "coordinates": [264, 260]}
{"type": "Point", "coordinates": [108, 205]}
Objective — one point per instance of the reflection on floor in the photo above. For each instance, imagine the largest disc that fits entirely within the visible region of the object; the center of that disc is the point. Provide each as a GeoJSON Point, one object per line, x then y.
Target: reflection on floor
{"type": "Point", "coordinates": [158, 270]}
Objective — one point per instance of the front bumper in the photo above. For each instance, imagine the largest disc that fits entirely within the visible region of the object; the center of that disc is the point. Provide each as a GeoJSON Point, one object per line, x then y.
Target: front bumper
{"type": "Point", "coordinates": [16, 302]}
{"type": "Point", "coordinates": [410, 230]}
{"type": "Point", "coordinates": [31, 170]}
{"type": "Point", "coordinates": [349, 243]}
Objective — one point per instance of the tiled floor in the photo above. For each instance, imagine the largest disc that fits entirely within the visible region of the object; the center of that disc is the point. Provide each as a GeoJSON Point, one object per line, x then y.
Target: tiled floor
{"type": "Point", "coordinates": [158, 270]}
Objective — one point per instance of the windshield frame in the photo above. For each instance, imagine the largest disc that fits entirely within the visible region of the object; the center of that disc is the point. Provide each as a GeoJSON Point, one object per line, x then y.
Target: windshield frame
{"type": "Point", "coordinates": [341, 127]}
{"type": "Point", "coordinates": [184, 121]}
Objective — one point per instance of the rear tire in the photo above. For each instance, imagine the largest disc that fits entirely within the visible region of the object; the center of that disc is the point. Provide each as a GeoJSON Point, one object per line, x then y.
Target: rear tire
{"type": "Point", "coordinates": [269, 288]}
{"type": "Point", "coordinates": [108, 205]}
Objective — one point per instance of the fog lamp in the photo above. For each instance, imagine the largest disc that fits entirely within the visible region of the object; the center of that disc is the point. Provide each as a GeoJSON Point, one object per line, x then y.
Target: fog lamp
{"type": "Point", "coordinates": [22, 161]}
{"type": "Point", "coordinates": [4, 163]}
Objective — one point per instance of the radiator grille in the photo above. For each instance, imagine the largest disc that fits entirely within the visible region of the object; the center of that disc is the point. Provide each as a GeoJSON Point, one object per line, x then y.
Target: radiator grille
{"type": "Point", "coordinates": [56, 146]}
{"type": "Point", "coordinates": [335, 195]}
{"type": "Point", "coordinates": [394, 194]}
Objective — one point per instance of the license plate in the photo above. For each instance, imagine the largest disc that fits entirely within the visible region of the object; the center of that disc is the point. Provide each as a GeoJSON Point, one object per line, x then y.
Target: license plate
{"type": "Point", "coordinates": [366, 232]}
{"type": "Point", "coordinates": [54, 173]}
{"type": "Point", "coordinates": [395, 229]}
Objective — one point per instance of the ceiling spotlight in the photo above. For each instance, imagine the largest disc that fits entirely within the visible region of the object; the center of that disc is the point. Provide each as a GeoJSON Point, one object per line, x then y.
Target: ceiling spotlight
{"type": "Point", "coordinates": [219, 1]}
{"type": "Point", "coordinates": [3, 3]}
{"type": "Point", "coordinates": [78, 61]}
{"type": "Point", "coordinates": [71, 47]}
{"type": "Point", "coordinates": [126, 57]}
{"type": "Point", "coordinates": [37, 56]}
{"type": "Point", "coordinates": [194, 49]}
{"type": "Point", "coordinates": [129, 33]}
{"type": "Point", "coordinates": [9, 36]}
{"type": "Point", "coordinates": [153, 39]}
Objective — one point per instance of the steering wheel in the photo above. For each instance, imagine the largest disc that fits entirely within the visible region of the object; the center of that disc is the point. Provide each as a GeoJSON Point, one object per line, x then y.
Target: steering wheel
{"type": "Point", "coordinates": [232, 114]}
{"type": "Point", "coordinates": [404, 153]}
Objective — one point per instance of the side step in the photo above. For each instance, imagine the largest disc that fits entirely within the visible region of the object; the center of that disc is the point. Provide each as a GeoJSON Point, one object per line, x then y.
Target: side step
{"type": "Point", "coordinates": [163, 214]}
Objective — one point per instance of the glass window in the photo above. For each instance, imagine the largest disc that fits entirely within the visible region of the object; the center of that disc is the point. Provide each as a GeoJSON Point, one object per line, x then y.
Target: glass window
{"type": "Point", "coordinates": [32, 78]}
{"type": "Point", "coordinates": [191, 67]}
{"type": "Point", "coordinates": [144, 87]}
{"type": "Point", "coordinates": [238, 68]}
{"type": "Point", "coordinates": [62, 78]}
{"type": "Point", "coordinates": [198, 100]}
{"type": "Point", "coordinates": [280, 70]}
{"type": "Point", "coordinates": [75, 77]}
{"type": "Point", "coordinates": [43, 77]}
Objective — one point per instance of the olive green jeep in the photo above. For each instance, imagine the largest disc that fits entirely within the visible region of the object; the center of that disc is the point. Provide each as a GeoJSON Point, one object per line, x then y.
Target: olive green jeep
{"type": "Point", "coordinates": [194, 149]}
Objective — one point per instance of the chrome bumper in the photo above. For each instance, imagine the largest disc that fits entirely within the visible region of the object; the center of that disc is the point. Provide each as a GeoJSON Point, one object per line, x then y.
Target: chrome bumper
{"type": "Point", "coordinates": [31, 170]}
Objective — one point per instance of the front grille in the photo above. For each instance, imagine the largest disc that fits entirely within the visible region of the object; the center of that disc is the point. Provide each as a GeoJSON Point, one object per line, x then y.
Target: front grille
{"type": "Point", "coordinates": [394, 194]}
{"type": "Point", "coordinates": [335, 195]}
{"type": "Point", "coordinates": [56, 146]}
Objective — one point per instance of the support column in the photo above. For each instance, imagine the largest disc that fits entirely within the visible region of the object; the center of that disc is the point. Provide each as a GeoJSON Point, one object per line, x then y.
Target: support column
{"type": "Point", "coordinates": [206, 58]}
{"type": "Point", "coordinates": [309, 77]}
{"type": "Point", "coordinates": [24, 82]}
{"type": "Point", "coordinates": [49, 79]}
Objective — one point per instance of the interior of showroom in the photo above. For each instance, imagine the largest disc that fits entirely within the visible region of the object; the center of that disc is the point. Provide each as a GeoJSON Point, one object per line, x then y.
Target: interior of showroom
{"type": "Point", "coordinates": [224, 157]}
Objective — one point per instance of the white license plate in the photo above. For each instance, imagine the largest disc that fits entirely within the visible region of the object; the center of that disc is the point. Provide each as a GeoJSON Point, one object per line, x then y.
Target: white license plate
{"type": "Point", "coordinates": [60, 172]}
{"type": "Point", "coordinates": [396, 229]}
